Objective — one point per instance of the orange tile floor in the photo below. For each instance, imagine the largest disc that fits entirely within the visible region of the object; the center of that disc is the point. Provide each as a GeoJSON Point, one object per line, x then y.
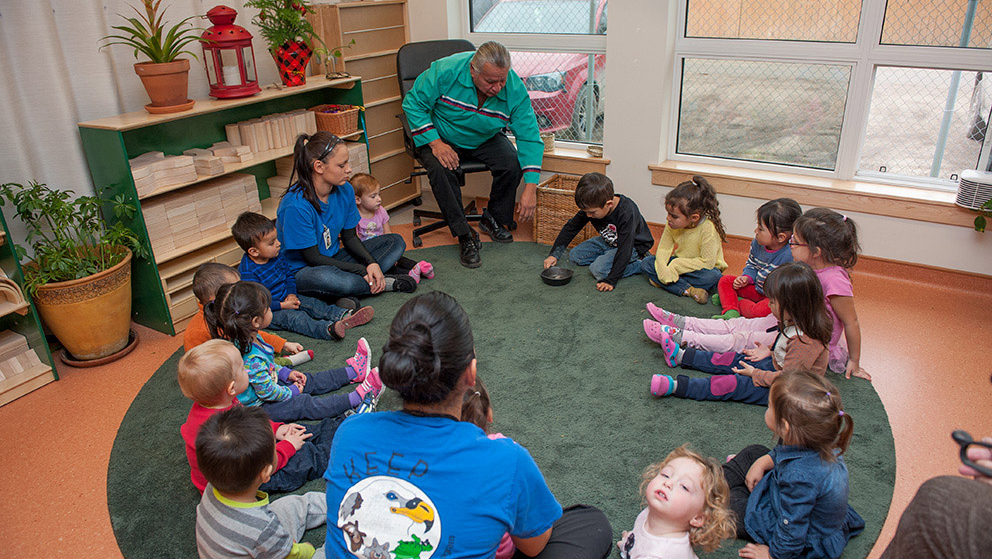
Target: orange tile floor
{"type": "Point", "coordinates": [925, 333]}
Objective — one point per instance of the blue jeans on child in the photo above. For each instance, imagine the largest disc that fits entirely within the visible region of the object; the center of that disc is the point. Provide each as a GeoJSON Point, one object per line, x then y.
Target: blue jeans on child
{"type": "Point", "coordinates": [310, 462]}
{"type": "Point", "coordinates": [305, 406]}
{"type": "Point", "coordinates": [726, 385]}
{"type": "Point", "coordinates": [312, 319]}
{"type": "Point", "coordinates": [330, 282]}
{"type": "Point", "coordinates": [706, 278]}
{"type": "Point", "coordinates": [599, 256]}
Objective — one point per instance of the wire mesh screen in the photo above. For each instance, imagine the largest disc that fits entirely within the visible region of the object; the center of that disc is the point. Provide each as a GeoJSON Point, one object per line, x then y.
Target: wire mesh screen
{"type": "Point", "coordinates": [762, 111]}
{"type": "Point", "coordinates": [910, 133]}
{"type": "Point", "coordinates": [568, 99]}
{"type": "Point", "coordinates": [787, 20]}
{"type": "Point", "coordinates": [939, 23]}
{"type": "Point", "coordinates": [574, 17]}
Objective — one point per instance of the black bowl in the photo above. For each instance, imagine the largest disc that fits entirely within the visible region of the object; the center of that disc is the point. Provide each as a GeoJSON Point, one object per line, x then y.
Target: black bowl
{"type": "Point", "coordinates": [556, 275]}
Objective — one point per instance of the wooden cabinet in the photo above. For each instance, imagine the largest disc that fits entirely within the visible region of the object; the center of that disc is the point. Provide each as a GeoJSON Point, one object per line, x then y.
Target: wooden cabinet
{"type": "Point", "coordinates": [379, 30]}
{"type": "Point", "coordinates": [20, 330]}
{"type": "Point", "coordinates": [162, 286]}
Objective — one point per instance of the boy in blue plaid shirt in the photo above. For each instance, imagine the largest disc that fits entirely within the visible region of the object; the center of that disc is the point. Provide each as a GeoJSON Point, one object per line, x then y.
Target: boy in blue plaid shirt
{"type": "Point", "coordinates": [262, 263]}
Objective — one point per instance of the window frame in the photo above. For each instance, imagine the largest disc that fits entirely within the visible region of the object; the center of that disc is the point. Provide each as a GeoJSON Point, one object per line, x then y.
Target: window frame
{"type": "Point", "coordinates": [863, 57]}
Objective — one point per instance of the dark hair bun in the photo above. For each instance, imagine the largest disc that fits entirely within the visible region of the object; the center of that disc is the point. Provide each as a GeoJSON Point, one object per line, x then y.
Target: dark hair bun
{"type": "Point", "coordinates": [408, 361]}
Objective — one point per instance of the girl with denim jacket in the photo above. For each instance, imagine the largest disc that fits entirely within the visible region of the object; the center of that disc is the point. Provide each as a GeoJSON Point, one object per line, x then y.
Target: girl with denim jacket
{"type": "Point", "coordinates": [793, 499]}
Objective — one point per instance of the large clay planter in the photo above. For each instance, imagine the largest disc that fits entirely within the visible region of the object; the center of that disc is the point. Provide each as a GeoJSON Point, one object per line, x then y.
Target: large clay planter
{"type": "Point", "coordinates": [90, 316]}
{"type": "Point", "coordinates": [167, 85]}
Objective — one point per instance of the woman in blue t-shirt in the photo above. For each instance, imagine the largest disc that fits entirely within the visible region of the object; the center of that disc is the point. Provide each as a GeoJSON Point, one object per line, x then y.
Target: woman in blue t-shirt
{"type": "Point", "coordinates": [419, 482]}
{"type": "Point", "coordinates": [316, 224]}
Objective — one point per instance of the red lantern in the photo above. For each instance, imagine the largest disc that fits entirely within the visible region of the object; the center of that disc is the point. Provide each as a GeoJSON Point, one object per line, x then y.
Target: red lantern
{"type": "Point", "coordinates": [229, 57]}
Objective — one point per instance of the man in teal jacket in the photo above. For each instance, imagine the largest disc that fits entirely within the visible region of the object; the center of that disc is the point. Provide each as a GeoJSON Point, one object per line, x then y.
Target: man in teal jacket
{"type": "Point", "coordinates": [458, 108]}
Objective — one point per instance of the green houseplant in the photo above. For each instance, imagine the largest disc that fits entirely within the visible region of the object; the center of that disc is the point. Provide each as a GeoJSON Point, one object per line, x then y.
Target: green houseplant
{"type": "Point", "coordinates": [984, 212]}
{"type": "Point", "coordinates": [289, 34]}
{"type": "Point", "coordinates": [80, 270]}
{"type": "Point", "coordinates": [165, 76]}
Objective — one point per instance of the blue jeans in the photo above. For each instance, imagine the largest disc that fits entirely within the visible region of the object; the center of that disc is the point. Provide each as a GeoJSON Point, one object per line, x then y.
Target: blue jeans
{"type": "Point", "coordinates": [728, 388]}
{"type": "Point", "coordinates": [706, 278]}
{"type": "Point", "coordinates": [599, 256]}
{"type": "Point", "coordinates": [330, 282]}
{"type": "Point", "coordinates": [310, 462]}
{"type": "Point", "coordinates": [305, 406]}
{"type": "Point", "coordinates": [312, 319]}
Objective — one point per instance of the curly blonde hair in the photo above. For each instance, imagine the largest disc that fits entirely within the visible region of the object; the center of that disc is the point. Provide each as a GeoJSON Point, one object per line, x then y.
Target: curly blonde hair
{"type": "Point", "coordinates": [719, 524]}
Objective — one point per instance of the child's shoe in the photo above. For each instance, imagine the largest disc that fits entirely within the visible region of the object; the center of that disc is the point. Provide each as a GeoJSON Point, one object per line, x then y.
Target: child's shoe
{"type": "Point", "coordinates": [673, 353]}
{"type": "Point", "coordinates": [727, 315]}
{"type": "Point", "coordinates": [371, 385]}
{"type": "Point", "coordinates": [662, 385]}
{"type": "Point", "coordinates": [426, 269]}
{"type": "Point", "coordinates": [414, 273]}
{"type": "Point", "coordinates": [698, 295]}
{"type": "Point", "coordinates": [362, 360]}
{"type": "Point", "coordinates": [357, 318]}
{"type": "Point", "coordinates": [369, 403]}
{"type": "Point", "coordinates": [654, 330]}
{"type": "Point", "coordinates": [715, 299]}
{"type": "Point", "coordinates": [665, 317]}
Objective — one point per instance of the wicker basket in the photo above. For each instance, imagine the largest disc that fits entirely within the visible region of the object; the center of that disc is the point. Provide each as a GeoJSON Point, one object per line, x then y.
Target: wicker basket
{"type": "Point", "coordinates": [340, 123]}
{"type": "Point", "coordinates": [555, 206]}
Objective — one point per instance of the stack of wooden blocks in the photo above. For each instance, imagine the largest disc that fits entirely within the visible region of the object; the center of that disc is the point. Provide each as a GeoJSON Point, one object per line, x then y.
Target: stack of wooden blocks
{"type": "Point", "coordinates": [153, 170]}
{"type": "Point", "coordinates": [275, 131]}
{"type": "Point", "coordinates": [207, 210]}
{"type": "Point", "coordinates": [15, 355]}
{"type": "Point", "coordinates": [358, 156]}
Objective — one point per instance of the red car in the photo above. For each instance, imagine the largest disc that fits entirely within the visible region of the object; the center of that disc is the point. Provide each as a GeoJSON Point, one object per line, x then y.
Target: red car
{"type": "Point", "coordinates": [558, 82]}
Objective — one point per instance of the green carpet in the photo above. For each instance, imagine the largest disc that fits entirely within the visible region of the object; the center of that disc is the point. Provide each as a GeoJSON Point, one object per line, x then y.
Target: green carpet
{"type": "Point", "coordinates": [568, 368]}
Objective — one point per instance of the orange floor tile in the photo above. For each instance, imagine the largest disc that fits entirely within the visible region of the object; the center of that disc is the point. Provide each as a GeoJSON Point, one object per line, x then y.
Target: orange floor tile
{"type": "Point", "coordinates": [925, 339]}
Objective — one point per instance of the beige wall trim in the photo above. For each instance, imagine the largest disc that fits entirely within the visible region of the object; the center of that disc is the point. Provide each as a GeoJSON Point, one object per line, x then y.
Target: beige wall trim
{"type": "Point", "coordinates": [878, 199]}
{"type": "Point", "coordinates": [573, 162]}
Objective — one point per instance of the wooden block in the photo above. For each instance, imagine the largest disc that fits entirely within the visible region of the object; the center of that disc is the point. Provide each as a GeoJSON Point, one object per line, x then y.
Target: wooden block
{"type": "Point", "coordinates": [284, 166]}
{"type": "Point", "coordinates": [311, 118]}
{"type": "Point", "coordinates": [198, 152]}
{"type": "Point", "coordinates": [233, 134]}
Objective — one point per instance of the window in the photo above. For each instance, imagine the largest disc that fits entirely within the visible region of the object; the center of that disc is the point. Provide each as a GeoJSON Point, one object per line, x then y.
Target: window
{"type": "Point", "coordinates": [558, 49]}
{"type": "Point", "coordinates": [851, 89]}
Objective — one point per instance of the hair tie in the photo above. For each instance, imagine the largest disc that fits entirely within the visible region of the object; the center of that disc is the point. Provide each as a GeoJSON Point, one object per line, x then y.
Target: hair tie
{"type": "Point", "coordinates": [237, 312]}
{"type": "Point", "coordinates": [828, 393]}
{"type": "Point", "coordinates": [843, 216]}
{"type": "Point", "coordinates": [841, 413]}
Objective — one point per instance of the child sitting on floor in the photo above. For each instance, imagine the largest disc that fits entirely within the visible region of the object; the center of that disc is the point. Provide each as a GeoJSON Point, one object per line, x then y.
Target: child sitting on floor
{"type": "Point", "coordinates": [212, 374]}
{"type": "Point", "coordinates": [769, 249]}
{"type": "Point", "coordinates": [796, 300]}
{"type": "Point", "coordinates": [237, 453]}
{"type": "Point", "coordinates": [687, 506]}
{"type": "Point", "coordinates": [207, 280]}
{"type": "Point", "coordinates": [375, 222]}
{"type": "Point", "coordinates": [624, 237]}
{"type": "Point", "coordinates": [256, 235]}
{"type": "Point", "coordinates": [689, 260]}
{"type": "Point", "coordinates": [287, 395]}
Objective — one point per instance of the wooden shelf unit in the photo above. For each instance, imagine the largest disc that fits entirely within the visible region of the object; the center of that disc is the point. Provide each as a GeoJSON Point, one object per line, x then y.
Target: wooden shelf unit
{"type": "Point", "coordinates": [379, 29]}
{"type": "Point", "coordinates": [23, 319]}
{"type": "Point", "coordinates": [162, 285]}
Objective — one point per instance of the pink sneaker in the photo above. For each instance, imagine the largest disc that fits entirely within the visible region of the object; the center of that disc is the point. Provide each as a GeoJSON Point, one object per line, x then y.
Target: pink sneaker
{"type": "Point", "coordinates": [661, 315]}
{"type": "Point", "coordinates": [662, 385]}
{"type": "Point", "coordinates": [361, 361]}
{"type": "Point", "coordinates": [372, 383]}
{"type": "Point", "coordinates": [426, 269]}
{"type": "Point", "coordinates": [414, 273]}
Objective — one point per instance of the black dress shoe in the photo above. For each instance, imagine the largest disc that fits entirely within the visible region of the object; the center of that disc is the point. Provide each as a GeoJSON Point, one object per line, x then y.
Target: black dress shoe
{"type": "Point", "coordinates": [495, 231]}
{"type": "Point", "coordinates": [469, 252]}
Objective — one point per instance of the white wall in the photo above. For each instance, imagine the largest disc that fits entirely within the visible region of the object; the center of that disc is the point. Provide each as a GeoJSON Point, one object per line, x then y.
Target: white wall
{"type": "Point", "coordinates": [638, 105]}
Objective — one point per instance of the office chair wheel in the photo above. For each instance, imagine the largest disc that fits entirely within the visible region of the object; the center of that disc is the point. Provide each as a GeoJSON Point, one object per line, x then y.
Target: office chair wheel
{"type": "Point", "coordinates": [418, 242]}
{"type": "Point", "coordinates": [418, 201]}
{"type": "Point", "coordinates": [416, 221]}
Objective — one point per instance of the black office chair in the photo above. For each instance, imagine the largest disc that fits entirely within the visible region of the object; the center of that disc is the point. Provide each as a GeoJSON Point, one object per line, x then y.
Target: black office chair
{"type": "Point", "coordinates": [411, 61]}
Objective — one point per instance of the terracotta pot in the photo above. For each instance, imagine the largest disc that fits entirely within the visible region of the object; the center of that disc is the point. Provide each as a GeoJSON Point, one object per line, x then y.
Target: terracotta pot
{"type": "Point", "coordinates": [166, 83]}
{"type": "Point", "coordinates": [91, 316]}
{"type": "Point", "coordinates": [291, 60]}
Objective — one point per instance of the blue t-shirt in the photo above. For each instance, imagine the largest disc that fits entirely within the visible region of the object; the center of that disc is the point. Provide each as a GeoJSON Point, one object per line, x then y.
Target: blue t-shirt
{"type": "Point", "coordinates": [420, 486]}
{"type": "Point", "coordinates": [300, 227]}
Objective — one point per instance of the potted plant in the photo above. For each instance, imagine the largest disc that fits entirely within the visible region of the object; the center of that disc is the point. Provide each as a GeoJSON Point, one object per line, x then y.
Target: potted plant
{"type": "Point", "coordinates": [984, 212]}
{"type": "Point", "coordinates": [165, 76]}
{"type": "Point", "coordinates": [80, 270]}
{"type": "Point", "coordinates": [290, 35]}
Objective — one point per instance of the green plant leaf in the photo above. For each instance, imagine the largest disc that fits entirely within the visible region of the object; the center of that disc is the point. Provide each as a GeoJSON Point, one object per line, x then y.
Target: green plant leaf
{"type": "Point", "coordinates": [980, 223]}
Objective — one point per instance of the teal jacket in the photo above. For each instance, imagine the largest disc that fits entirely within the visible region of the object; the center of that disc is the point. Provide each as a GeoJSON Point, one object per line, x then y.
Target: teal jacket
{"type": "Point", "coordinates": [444, 104]}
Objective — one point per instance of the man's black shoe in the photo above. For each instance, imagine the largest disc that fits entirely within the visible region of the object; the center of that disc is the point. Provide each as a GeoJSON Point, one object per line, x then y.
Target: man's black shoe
{"type": "Point", "coordinates": [469, 252]}
{"type": "Point", "coordinates": [495, 231]}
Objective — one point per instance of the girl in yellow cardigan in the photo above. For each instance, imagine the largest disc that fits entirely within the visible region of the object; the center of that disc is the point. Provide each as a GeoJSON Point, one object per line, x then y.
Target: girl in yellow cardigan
{"type": "Point", "coordinates": [696, 236]}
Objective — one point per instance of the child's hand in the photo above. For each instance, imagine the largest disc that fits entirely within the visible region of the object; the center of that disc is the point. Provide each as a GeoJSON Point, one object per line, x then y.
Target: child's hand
{"type": "Point", "coordinates": [297, 436]}
{"type": "Point", "coordinates": [549, 262]}
{"type": "Point", "coordinates": [757, 471]}
{"type": "Point", "coordinates": [623, 538]}
{"type": "Point", "coordinates": [286, 428]}
{"type": "Point", "coordinates": [854, 369]}
{"type": "Point", "coordinates": [983, 457]}
{"type": "Point", "coordinates": [297, 378]}
{"type": "Point", "coordinates": [758, 352]}
{"type": "Point", "coordinates": [745, 369]}
{"type": "Point", "coordinates": [741, 281]}
{"type": "Point", "coordinates": [290, 302]}
{"type": "Point", "coordinates": [292, 348]}
{"type": "Point", "coordinates": [603, 286]}
{"type": "Point", "coordinates": [755, 551]}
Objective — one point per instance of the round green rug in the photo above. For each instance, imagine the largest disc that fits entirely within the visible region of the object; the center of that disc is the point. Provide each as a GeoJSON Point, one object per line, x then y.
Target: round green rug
{"type": "Point", "coordinates": [569, 370]}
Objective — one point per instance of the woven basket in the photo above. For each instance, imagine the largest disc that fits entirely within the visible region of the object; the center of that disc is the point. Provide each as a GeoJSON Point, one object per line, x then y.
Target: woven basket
{"type": "Point", "coordinates": [340, 123]}
{"type": "Point", "coordinates": [555, 206]}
